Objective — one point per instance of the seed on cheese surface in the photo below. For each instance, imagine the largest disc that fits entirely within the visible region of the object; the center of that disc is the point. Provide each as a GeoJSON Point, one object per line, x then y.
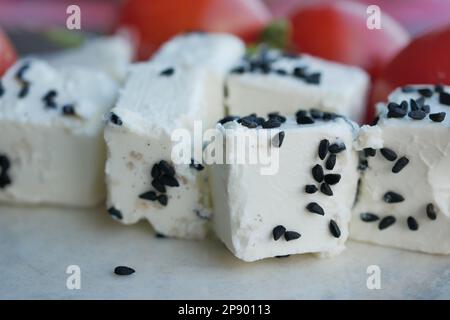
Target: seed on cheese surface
{"type": "Point", "coordinates": [281, 72]}
{"type": "Point", "coordinates": [425, 92]}
{"type": "Point", "coordinates": [412, 223]}
{"type": "Point", "coordinates": [437, 117]}
{"type": "Point", "coordinates": [310, 188]}
{"type": "Point", "coordinates": [368, 217]}
{"type": "Point", "coordinates": [337, 147]}
{"type": "Point", "coordinates": [2, 89]}
{"type": "Point", "coordinates": [158, 185]}
{"type": "Point", "coordinates": [167, 72]}
{"type": "Point", "coordinates": [444, 98]}
{"type": "Point", "coordinates": [150, 195]}
{"type": "Point", "coordinates": [325, 189]}
{"type": "Point", "coordinates": [304, 120]}
{"type": "Point", "coordinates": [363, 164]}
{"type": "Point", "coordinates": [228, 119]}
{"type": "Point", "coordinates": [166, 168]}
{"type": "Point", "coordinates": [162, 199]}
{"type": "Point", "coordinates": [249, 123]}
{"type": "Point", "coordinates": [334, 229]}
{"type": "Point", "coordinates": [388, 154]}
{"type": "Point", "coordinates": [238, 70]}
{"type": "Point", "coordinates": [23, 92]}
{"type": "Point", "coordinates": [271, 123]}
{"type": "Point", "coordinates": [196, 166]}
{"type": "Point", "coordinates": [413, 105]}
{"type": "Point", "coordinates": [68, 110]}
{"type": "Point", "coordinates": [123, 270]}
{"type": "Point", "coordinates": [115, 213]}
{"type": "Point", "coordinates": [276, 115]}
{"type": "Point", "coordinates": [156, 172]}
{"type": "Point", "coordinates": [278, 232]}
{"type": "Point", "coordinates": [5, 180]}
{"type": "Point", "coordinates": [396, 113]}
{"type": "Point", "coordinates": [431, 212]}
{"type": "Point", "coordinates": [370, 152]}
{"type": "Point", "coordinates": [316, 114]}
{"type": "Point", "coordinates": [313, 78]}
{"type": "Point", "coordinates": [49, 97]}
{"type": "Point", "coordinates": [299, 72]}
{"type": "Point", "coordinates": [331, 162]}
{"type": "Point", "coordinates": [21, 71]}
{"type": "Point", "coordinates": [327, 116]}
{"type": "Point", "coordinates": [439, 88]}
{"type": "Point", "coordinates": [323, 148]}
{"type": "Point", "coordinates": [4, 162]}
{"type": "Point", "coordinates": [301, 113]}
{"type": "Point", "coordinates": [160, 235]}
{"type": "Point", "coordinates": [417, 115]}
{"type": "Point", "coordinates": [291, 235]}
{"type": "Point", "coordinates": [332, 178]}
{"type": "Point", "coordinates": [169, 181]}
{"type": "Point", "coordinates": [283, 256]}
{"type": "Point", "coordinates": [115, 119]}
{"type": "Point", "coordinates": [315, 208]}
{"type": "Point", "coordinates": [426, 108]}
{"type": "Point", "coordinates": [317, 173]}
{"type": "Point", "coordinates": [375, 121]}
{"type": "Point", "coordinates": [386, 222]}
{"type": "Point", "coordinates": [400, 164]}
{"type": "Point", "coordinates": [393, 197]}
{"type": "Point", "coordinates": [278, 139]}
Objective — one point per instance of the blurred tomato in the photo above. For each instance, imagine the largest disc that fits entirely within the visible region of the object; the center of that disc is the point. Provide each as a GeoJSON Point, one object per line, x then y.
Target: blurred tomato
{"type": "Point", "coordinates": [156, 21]}
{"type": "Point", "coordinates": [338, 31]}
{"type": "Point", "coordinates": [7, 53]}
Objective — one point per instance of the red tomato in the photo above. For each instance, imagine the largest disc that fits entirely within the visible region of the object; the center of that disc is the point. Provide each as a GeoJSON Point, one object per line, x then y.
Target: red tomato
{"type": "Point", "coordinates": [337, 30]}
{"type": "Point", "coordinates": [7, 53]}
{"type": "Point", "coordinates": [156, 21]}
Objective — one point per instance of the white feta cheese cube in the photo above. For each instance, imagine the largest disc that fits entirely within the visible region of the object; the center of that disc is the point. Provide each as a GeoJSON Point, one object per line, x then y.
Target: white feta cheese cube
{"type": "Point", "coordinates": [270, 81]}
{"type": "Point", "coordinates": [51, 144]}
{"type": "Point", "coordinates": [169, 93]}
{"type": "Point", "coordinates": [304, 206]}
{"type": "Point", "coordinates": [404, 193]}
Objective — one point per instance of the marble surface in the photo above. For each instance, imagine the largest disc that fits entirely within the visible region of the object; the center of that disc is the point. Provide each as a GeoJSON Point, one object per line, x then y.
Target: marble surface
{"type": "Point", "coordinates": [38, 244]}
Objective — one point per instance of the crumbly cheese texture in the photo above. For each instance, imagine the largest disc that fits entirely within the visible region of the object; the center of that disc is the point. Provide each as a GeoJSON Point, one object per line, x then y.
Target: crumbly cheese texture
{"type": "Point", "coordinates": [182, 85]}
{"type": "Point", "coordinates": [275, 82]}
{"type": "Point", "coordinates": [420, 218]}
{"type": "Point", "coordinates": [251, 208]}
{"type": "Point", "coordinates": [52, 123]}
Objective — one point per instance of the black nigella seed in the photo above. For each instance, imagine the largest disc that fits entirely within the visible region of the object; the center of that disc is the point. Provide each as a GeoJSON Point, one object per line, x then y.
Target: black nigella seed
{"type": "Point", "coordinates": [281, 72]}
{"type": "Point", "coordinates": [386, 222]}
{"type": "Point", "coordinates": [313, 78]}
{"type": "Point", "coordinates": [393, 197]}
{"type": "Point", "coordinates": [50, 95]}
{"type": "Point", "coordinates": [417, 115]}
{"type": "Point", "coordinates": [162, 199]}
{"type": "Point", "coordinates": [315, 208]}
{"type": "Point", "coordinates": [413, 105]}
{"type": "Point", "coordinates": [283, 256]}
{"type": "Point", "coordinates": [444, 98]}
{"type": "Point", "coordinates": [404, 105]}
{"type": "Point", "coordinates": [23, 92]}
{"type": "Point", "coordinates": [166, 168]}
{"type": "Point", "coordinates": [156, 172]}
{"type": "Point", "coordinates": [316, 114]}
{"type": "Point", "coordinates": [21, 71]}
{"type": "Point", "coordinates": [336, 147]}
{"type": "Point", "coordinates": [317, 173]}
{"type": "Point", "coordinates": [400, 164]}
{"type": "Point", "coordinates": [310, 188]}
{"type": "Point", "coordinates": [396, 113]}
{"type": "Point", "coordinates": [426, 108]}
{"type": "Point", "coordinates": [323, 148]}
{"type": "Point", "coordinates": [159, 235]}
{"type": "Point", "coordinates": [301, 113]}
{"type": "Point", "coordinates": [169, 181]}
{"type": "Point", "coordinates": [158, 185]}
{"type": "Point", "coordinates": [420, 102]}
{"type": "Point", "coordinates": [4, 162]}
{"type": "Point", "coordinates": [325, 189]}
{"type": "Point", "coordinates": [5, 180]}
{"type": "Point", "coordinates": [115, 119]}
{"type": "Point", "coordinates": [150, 195]}
{"type": "Point", "coordinates": [431, 212]}
{"type": "Point", "coordinates": [249, 123]}
{"type": "Point", "coordinates": [271, 123]}
{"type": "Point", "coordinates": [439, 88]}
{"type": "Point", "coordinates": [425, 92]}
{"type": "Point", "coordinates": [368, 217]}
{"type": "Point", "coordinates": [291, 235]}
{"type": "Point", "coordinates": [331, 162]}
{"type": "Point", "coordinates": [305, 120]}
{"type": "Point", "coordinates": [408, 89]}
{"type": "Point", "coordinates": [278, 232]}
{"type": "Point", "coordinates": [123, 271]}
{"type": "Point", "coordinates": [68, 110]}
{"type": "Point", "coordinates": [334, 229]}
{"type": "Point", "coordinates": [332, 178]}
{"type": "Point", "coordinates": [299, 72]}
{"type": "Point", "coordinates": [437, 117]}
{"type": "Point", "coordinates": [412, 223]}
{"type": "Point", "coordinates": [228, 119]}
{"type": "Point", "coordinates": [277, 116]}
{"type": "Point", "coordinates": [167, 72]}
{"type": "Point", "coordinates": [330, 116]}
{"type": "Point", "coordinates": [278, 139]}
{"type": "Point", "coordinates": [196, 166]}
{"type": "Point", "coordinates": [393, 106]}
{"type": "Point", "coordinates": [115, 213]}
{"type": "Point", "coordinates": [238, 70]}
{"type": "Point", "coordinates": [363, 164]}
{"type": "Point", "coordinates": [370, 152]}
{"type": "Point", "coordinates": [388, 154]}
{"type": "Point", "coordinates": [375, 121]}
{"type": "Point", "coordinates": [2, 89]}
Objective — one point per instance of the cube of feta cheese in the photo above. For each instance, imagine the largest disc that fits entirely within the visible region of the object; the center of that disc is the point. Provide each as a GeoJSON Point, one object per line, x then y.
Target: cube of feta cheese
{"type": "Point", "coordinates": [270, 81]}
{"type": "Point", "coordinates": [51, 144]}
{"type": "Point", "coordinates": [404, 194]}
{"type": "Point", "coordinates": [169, 93]}
{"type": "Point", "coordinates": [302, 207]}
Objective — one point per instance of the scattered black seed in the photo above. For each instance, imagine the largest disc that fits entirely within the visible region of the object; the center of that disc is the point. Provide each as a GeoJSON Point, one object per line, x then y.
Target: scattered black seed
{"type": "Point", "coordinates": [334, 229]}
{"type": "Point", "coordinates": [169, 181]}
{"type": "Point", "coordinates": [21, 71]}
{"type": "Point", "coordinates": [400, 164]}
{"type": "Point", "coordinates": [68, 110]}
{"type": "Point", "coordinates": [162, 199]}
{"type": "Point", "coordinates": [375, 121]}
{"type": "Point", "coordinates": [425, 92]}
{"type": "Point", "coordinates": [317, 173]}
{"type": "Point", "coordinates": [393, 106]}
{"type": "Point", "coordinates": [313, 78]}
{"type": "Point", "coordinates": [123, 271]}
{"type": "Point", "coordinates": [412, 223]}
{"type": "Point", "coordinates": [167, 72]}
{"type": "Point", "coordinates": [291, 235]}
{"type": "Point", "coordinates": [316, 114]}
{"type": "Point", "coordinates": [332, 178]}
{"type": "Point", "coordinates": [386, 222]}
{"type": "Point", "coordinates": [325, 189]}
{"type": "Point", "coordinates": [431, 212]}
{"type": "Point", "coordinates": [404, 105]}
{"type": "Point", "coordinates": [368, 217]}
{"type": "Point", "coordinates": [369, 152]}
{"type": "Point", "coordinates": [389, 154]}
{"type": "Point", "coordinates": [310, 188]}
{"type": "Point", "coordinates": [305, 120]}
{"type": "Point", "coordinates": [278, 232]}
{"type": "Point", "coordinates": [228, 119]}
{"type": "Point", "coordinates": [413, 105]}
{"type": "Point", "coordinates": [444, 98]}
{"type": "Point", "coordinates": [396, 113]}
{"type": "Point", "coordinates": [439, 88]}
{"type": "Point", "coordinates": [166, 168]}
{"type": "Point", "coordinates": [417, 115]}
{"type": "Point", "coordinates": [158, 185]}
{"type": "Point", "coordinates": [330, 116]}
{"type": "Point", "coordinates": [278, 139]}
{"type": "Point", "coordinates": [114, 118]}
{"type": "Point", "coordinates": [5, 180]}
{"type": "Point", "coordinates": [299, 72]}
{"type": "Point", "coordinates": [160, 235]}
{"type": "Point", "coordinates": [249, 123]}
{"type": "Point", "coordinates": [437, 117]}
{"type": "Point", "coordinates": [277, 116]}
{"type": "Point", "coordinates": [315, 208]}
{"type": "Point", "coordinates": [408, 89]}
{"type": "Point", "coordinates": [4, 162]}
{"type": "Point", "coordinates": [331, 162]}
{"type": "Point", "coordinates": [420, 102]}
{"type": "Point", "coordinates": [196, 166]}
{"type": "Point", "coordinates": [281, 72]}
{"type": "Point", "coordinates": [238, 70]}
{"type": "Point", "coordinates": [323, 148]}
{"type": "Point", "coordinates": [156, 172]}
{"type": "Point", "coordinates": [2, 89]}
{"type": "Point", "coordinates": [23, 92]}
{"type": "Point", "coordinates": [115, 213]}
{"type": "Point", "coordinates": [393, 197]}
{"type": "Point", "coordinates": [301, 113]}
{"type": "Point", "coordinates": [150, 195]}
{"type": "Point", "coordinates": [363, 164]}
{"type": "Point", "coordinates": [426, 108]}
{"type": "Point", "coordinates": [283, 256]}
{"type": "Point", "coordinates": [271, 123]}
{"type": "Point", "coordinates": [336, 147]}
